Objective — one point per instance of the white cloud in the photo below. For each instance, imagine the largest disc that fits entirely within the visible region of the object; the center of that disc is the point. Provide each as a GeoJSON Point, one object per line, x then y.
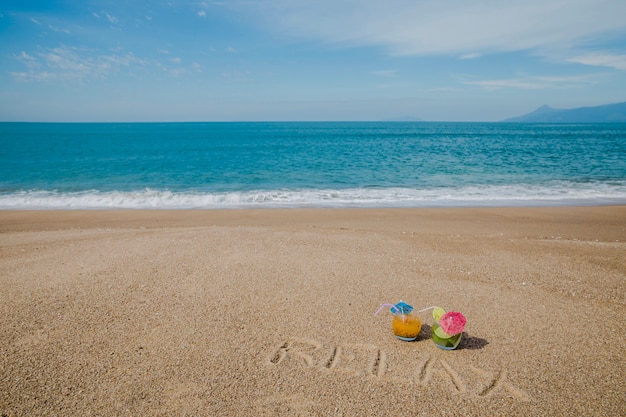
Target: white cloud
{"type": "Point", "coordinates": [108, 16]}
{"type": "Point", "coordinates": [602, 60]}
{"type": "Point", "coordinates": [27, 59]}
{"type": "Point", "coordinates": [207, 4]}
{"type": "Point", "coordinates": [442, 90]}
{"type": "Point", "coordinates": [466, 28]}
{"type": "Point", "coordinates": [470, 56]}
{"type": "Point", "coordinates": [532, 82]}
{"type": "Point", "coordinates": [111, 18]}
{"type": "Point", "coordinates": [201, 13]}
{"type": "Point", "coordinates": [64, 63]}
{"type": "Point", "coordinates": [236, 76]}
{"type": "Point", "coordinates": [516, 83]}
{"type": "Point", "coordinates": [58, 30]}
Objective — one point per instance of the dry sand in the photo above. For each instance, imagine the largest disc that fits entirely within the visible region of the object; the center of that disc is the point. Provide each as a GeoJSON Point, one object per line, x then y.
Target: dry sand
{"type": "Point", "coordinates": [270, 312]}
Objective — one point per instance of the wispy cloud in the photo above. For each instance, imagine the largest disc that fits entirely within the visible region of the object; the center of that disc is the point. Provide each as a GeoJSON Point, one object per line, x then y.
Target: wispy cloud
{"type": "Point", "coordinates": [58, 30]}
{"type": "Point", "coordinates": [111, 18]}
{"type": "Point", "coordinates": [204, 6]}
{"type": "Point", "coordinates": [460, 27]}
{"type": "Point", "coordinates": [28, 60]}
{"type": "Point", "coordinates": [442, 90]}
{"type": "Point", "coordinates": [207, 4]}
{"type": "Point", "coordinates": [65, 63]}
{"type": "Point", "coordinates": [470, 56]}
{"type": "Point", "coordinates": [105, 15]}
{"type": "Point", "coordinates": [533, 82]}
{"type": "Point", "coordinates": [602, 60]}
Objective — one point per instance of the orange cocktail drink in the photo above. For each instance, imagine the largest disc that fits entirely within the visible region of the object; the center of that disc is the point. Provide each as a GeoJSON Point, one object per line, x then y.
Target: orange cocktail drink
{"type": "Point", "coordinates": [406, 326]}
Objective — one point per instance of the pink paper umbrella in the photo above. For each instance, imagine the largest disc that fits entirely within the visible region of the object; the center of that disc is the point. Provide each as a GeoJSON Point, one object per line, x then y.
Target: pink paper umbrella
{"type": "Point", "coordinates": [452, 322]}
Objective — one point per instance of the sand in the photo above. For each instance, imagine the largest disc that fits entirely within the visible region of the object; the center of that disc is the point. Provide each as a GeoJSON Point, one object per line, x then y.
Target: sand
{"type": "Point", "coordinates": [270, 312]}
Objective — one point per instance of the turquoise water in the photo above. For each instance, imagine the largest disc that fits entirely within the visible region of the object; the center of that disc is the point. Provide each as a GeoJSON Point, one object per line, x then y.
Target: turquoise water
{"type": "Point", "coordinates": [376, 164]}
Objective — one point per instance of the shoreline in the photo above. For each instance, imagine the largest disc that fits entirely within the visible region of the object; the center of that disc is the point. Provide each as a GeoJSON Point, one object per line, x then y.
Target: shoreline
{"type": "Point", "coordinates": [271, 311]}
{"type": "Point", "coordinates": [578, 217]}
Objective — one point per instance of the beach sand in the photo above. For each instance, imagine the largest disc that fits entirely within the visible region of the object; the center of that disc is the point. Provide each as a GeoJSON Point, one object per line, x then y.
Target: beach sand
{"type": "Point", "coordinates": [271, 312]}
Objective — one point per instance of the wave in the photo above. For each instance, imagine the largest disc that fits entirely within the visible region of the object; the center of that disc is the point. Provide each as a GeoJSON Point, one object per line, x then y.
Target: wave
{"type": "Point", "coordinates": [562, 193]}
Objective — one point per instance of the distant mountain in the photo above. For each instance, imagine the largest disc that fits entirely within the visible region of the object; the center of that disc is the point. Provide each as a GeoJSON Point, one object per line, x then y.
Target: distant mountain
{"type": "Point", "coordinates": [609, 113]}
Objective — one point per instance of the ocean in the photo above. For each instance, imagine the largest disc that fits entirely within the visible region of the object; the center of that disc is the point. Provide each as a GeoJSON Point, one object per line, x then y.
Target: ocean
{"type": "Point", "coordinates": [310, 164]}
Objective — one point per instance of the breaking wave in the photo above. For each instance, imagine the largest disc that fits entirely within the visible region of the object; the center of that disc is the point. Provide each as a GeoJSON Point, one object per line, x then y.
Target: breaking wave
{"type": "Point", "coordinates": [562, 193]}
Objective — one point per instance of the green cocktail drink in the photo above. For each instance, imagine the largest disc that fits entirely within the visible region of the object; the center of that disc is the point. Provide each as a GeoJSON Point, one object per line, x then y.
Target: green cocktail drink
{"type": "Point", "coordinates": [447, 329]}
{"type": "Point", "coordinates": [443, 340]}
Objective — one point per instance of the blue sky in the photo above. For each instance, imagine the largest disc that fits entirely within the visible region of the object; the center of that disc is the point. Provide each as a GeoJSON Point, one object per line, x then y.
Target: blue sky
{"type": "Point", "coordinates": [232, 60]}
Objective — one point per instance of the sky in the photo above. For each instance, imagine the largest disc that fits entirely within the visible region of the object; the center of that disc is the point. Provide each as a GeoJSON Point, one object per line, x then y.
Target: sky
{"type": "Point", "coordinates": [313, 60]}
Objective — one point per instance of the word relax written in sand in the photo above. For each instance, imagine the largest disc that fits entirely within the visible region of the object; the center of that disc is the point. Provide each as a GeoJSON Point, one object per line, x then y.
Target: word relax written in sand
{"type": "Point", "coordinates": [369, 361]}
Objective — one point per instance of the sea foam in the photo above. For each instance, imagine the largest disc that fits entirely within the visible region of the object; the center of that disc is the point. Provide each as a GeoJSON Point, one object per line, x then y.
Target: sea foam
{"type": "Point", "coordinates": [559, 193]}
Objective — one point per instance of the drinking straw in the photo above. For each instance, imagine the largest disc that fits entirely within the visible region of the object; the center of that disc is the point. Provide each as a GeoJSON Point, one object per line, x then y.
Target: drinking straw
{"type": "Point", "coordinates": [394, 306]}
{"type": "Point", "coordinates": [383, 306]}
